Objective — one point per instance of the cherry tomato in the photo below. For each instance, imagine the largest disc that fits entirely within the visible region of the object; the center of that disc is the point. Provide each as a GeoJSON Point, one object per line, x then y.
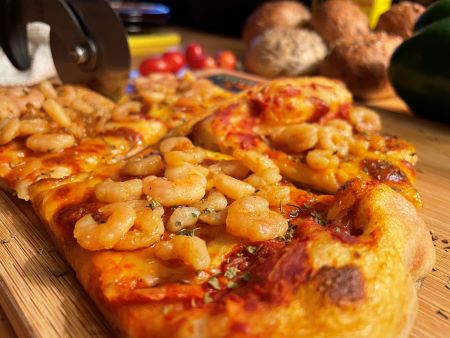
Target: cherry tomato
{"type": "Point", "coordinates": [194, 52]}
{"type": "Point", "coordinates": [205, 62]}
{"type": "Point", "coordinates": [153, 65]}
{"type": "Point", "coordinates": [174, 59]}
{"type": "Point", "coordinates": [226, 59]}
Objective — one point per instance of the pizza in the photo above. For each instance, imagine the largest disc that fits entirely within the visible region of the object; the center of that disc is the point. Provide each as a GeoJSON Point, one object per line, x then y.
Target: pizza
{"type": "Point", "coordinates": [39, 122]}
{"type": "Point", "coordinates": [212, 236]}
{"type": "Point", "coordinates": [314, 133]}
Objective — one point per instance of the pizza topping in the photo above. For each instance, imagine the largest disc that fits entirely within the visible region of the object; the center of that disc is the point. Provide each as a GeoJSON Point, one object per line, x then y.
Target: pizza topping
{"type": "Point", "coordinates": [364, 119]}
{"type": "Point", "coordinates": [147, 230]}
{"type": "Point", "coordinates": [341, 285]}
{"type": "Point", "coordinates": [110, 191]}
{"type": "Point", "coordinates": [251, 218]}
{"type": "Point", "coordinates": [183, 184]}
{"type": "Point", "coordinates": [191, 250]}
{"type": "Point", "coordinates": [383, 171]}
{"type": "Point", "coordinates": [98, 236]}
{"type": "Point", "coordinates": [182, 217]}
{"type": "Point", "coordinates": [50, 142]}
{"type": "Point", "coordinates": [150, 165]}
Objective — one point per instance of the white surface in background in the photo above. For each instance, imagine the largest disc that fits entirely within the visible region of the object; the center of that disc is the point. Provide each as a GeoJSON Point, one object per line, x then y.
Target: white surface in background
{"type": "Point", "coordinates": [42, 66]}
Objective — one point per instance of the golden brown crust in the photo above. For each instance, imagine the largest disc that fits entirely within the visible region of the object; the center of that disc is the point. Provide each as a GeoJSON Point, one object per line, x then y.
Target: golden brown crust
{"type": "Point", "coordinates": [362, 63]}
{"type": "Point", "coordinates": [289, 14]}
{"type": "Point", "coordinates": [400, 19]}
{"type": "Point", "coordinates": [344, 281]}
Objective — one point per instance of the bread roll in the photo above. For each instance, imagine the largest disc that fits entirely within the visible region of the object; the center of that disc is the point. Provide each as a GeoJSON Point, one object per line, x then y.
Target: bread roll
{"type": "Point", "coordinates": [285, 52]}
{"type": "Point", "coordinates": [337, 19]}
{"type": "Point", "coordinates": [362, 64]}
{"type": "Point", "coordinates": [275, 14]}
{"type": "Point", "coordinates": [400, 19]}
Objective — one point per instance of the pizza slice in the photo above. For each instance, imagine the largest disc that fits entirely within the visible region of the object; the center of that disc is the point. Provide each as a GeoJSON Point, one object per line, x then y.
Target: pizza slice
{"type": "Point", "coordinates": [314, 133]}
{"type": "Point", "coordinates": [177, 100]}
{"type": "Point", "coordinates": [58, 130]}
{"type": "Point", "coordinates": [183, 242]}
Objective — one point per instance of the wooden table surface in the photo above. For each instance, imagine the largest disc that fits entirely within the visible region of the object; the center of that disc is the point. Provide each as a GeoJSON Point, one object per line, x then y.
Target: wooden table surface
{"type": "Point", "coordinates": [433, 146]}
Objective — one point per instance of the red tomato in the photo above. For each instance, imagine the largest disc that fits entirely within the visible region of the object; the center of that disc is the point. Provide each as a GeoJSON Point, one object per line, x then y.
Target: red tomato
{"type": "Point", "coordinates": [226, 59]}
{"type": "Point", "coordinates": [194, 52]}
{"type": "Point", "coordinates": [206, 61]}
{"type": "Point", "coordinates": [174, 59]}
{"type": "Point", "coordinates": [153, 65]}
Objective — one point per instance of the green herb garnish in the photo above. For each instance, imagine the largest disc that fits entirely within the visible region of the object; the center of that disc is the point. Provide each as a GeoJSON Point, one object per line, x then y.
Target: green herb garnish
{"type": "Point", "coordinates": [231, 285]}
{"type": "Point", "coordinates": [230, 273]}
{"type": "Point", "coordinates": [207, 298]}
{"type": "Point", "coordinates": [214, 282]}
{"type": "Point", "coordinates": [251, 249]}
{"type": "Point", "coordinates": [289, 235]}
{"type": "Point", "coordinates": [154, 204]}
{"type": "Point", "coordinates": [318, 217]}
{"type": "Point", "coordinates": [187, 232]}
{"type": "Point", "coordinates": [246, 276]}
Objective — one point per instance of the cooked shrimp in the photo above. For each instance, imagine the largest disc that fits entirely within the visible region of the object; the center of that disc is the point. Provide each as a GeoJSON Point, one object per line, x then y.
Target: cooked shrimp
{"type": "Point", "coordinates": [183, 217]}
{"type": "Point", "coordinates": [50, 142]}
{"type": "Point", "coordinates": [232, 187]}
{"type": "Point", "coordinates": [23, 96]}
{"type": "Point", "coordinates": [98, 236]}
{"type": "Point", "coordinates": [191, 250]}
{"type": "Point", "coordinates": [150, 165]}
{"type": "Point", "coordinates": [8, 109]}
{"type": "Point", "coordinates": [260, 164]}
{"type": "Point", "coordinates": [183, 185]}
{"type": "Point", "coordinates": [251, 218]}
{"type": "Point", "coordinates": [9, 130]}
{"type": "Point", "coordinates": [146, 231]}
{"type": "Point", "coordinates": [110, 191]}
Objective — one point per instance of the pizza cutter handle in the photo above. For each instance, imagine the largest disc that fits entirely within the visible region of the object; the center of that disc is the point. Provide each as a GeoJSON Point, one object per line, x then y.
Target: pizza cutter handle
{"type": "Point", "coordinates": [16, 14]}
{"type": "Point", "coordinates": [13, 34]}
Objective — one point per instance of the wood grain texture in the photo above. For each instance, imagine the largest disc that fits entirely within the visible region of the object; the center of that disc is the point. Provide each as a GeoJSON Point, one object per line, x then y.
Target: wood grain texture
{"type": "Point", "coordinates": [38, 292]}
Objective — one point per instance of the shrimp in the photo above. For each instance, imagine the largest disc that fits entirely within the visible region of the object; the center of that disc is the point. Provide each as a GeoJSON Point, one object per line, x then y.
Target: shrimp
{"type": "Point", "coordinates": [50, 142]}
{"type": "Point", "coordinates": [23, 97]}
{"type": "Point", "coordinates": [251, 218]}
{"type": "Point", "coordinates": [151, 165]}
{"type": "Point", "coordinates": [110, 191]}
{"type": "Point", "coordinates": [146, 231]}
{"type": "Point", "coordinates": [95, 236]}
{"type": "Point", "coordinates": [191, 250]}
{"type": "Point", "coordinates": [8, 108]}
{"type": "Point", "coordinates": [183, 217]}
{"type": "Point", "coordinates": [9, 130]}
{"type": "Point", "coordinates": [260, 164]}
{"type": "Point", "coordinates": [183, 185]}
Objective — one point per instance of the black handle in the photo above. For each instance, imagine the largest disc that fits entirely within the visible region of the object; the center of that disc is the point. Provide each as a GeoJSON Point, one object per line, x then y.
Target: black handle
{"type": "Point", "coordinates": [16, 14]}
{"type": "Point", "coordinates": [13, 34]}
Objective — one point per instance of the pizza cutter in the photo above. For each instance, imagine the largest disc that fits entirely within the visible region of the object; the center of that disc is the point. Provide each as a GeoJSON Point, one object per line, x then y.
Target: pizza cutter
{"type": "Point", "coordinates": [88, 41]}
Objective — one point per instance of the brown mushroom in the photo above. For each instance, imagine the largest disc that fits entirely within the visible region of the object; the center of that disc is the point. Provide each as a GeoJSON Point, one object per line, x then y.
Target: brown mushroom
{"type": "Point", "coordinates": [362, 64]}
{"type": "Point", "coordinates": [337, 19]}
{"type": "Point", "coordinates": [400, 19]}
{"type": "Point", "coordinates": [285, 52]}
{"type": "Point", "coordinates": [275, 14]}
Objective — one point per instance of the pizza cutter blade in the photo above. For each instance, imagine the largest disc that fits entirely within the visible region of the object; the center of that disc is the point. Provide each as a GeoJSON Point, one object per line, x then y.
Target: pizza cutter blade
{"type": "Point", "coordinates": [88, 41]}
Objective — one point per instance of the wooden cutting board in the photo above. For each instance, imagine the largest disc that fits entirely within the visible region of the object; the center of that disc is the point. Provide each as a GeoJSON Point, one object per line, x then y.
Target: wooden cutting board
{"type": "Point", "coordinates": [41, 297]}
